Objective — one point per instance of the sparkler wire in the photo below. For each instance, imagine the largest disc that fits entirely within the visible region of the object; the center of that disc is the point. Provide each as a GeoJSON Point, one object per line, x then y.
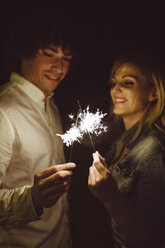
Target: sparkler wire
{"type": "Point", "coordinates": [71, 150]}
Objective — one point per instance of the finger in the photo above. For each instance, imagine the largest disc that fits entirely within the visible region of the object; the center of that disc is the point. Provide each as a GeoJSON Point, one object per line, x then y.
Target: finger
{"type": "Point", "coordinates": [102, 159]}
{"type": "Point", "coordinates": [53, 169]}
{"type": "Point", "coordinates": [96, 158]}
{"type": "Point", "coordinates": [54, 189]}
{"type": "Point", "coordinates": [97, 163]}
{"type": "Point", "coordinates": [91, 178]}
{"type": "Point", "coordinates": [56, 178]}
{"type": "Point", "coordinates": [94, 175]}
{"type": "Point", "coordinates": [66, 166]}
{"type": "Point", "coordinates": [99, 158]}
{"type": "Point", "coordinates": [65, 179]}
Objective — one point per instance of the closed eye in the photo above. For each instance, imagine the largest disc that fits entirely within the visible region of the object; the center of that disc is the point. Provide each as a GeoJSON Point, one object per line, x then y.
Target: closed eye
{"type": "Point", "coordinates": [51, 55]}
{"type": "Point", "coordinates": [47, 54]}
{"type": "Point", "coordinates": [68, 59]}
{"type": "Point", "coordinates": [127, 84]}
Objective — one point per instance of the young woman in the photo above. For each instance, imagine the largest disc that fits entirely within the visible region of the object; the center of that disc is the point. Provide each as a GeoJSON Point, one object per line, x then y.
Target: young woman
{"type": "Point", "coordinates": [130, 182]}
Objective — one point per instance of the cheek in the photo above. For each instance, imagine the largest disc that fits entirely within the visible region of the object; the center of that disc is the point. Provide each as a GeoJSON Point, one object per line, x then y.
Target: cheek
{"type": "Point", "coordinates": [40, 67]}
{"type": "Point", "coordinates": [139, 101]}
{"type": "Point", "coordinates": [66, 66]}
{"type": "Point", "coordinates": [111, 93]}
{"type": "Point", "coordinates": [143, 94]}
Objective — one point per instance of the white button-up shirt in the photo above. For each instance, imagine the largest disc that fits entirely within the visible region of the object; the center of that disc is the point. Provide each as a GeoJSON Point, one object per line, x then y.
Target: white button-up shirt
{"type": "Point", "coordinates": [28, 144]}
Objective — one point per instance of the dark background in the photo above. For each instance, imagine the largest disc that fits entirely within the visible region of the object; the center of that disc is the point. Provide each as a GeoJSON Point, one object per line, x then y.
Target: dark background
{"type": "Point", "coordinates": [105, 31]}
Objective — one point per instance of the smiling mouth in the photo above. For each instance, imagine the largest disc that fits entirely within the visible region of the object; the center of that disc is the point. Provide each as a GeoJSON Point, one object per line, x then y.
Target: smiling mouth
{"type": "Point", "coordinates": [55, 78]}
{"type": "Point", "coordinates": [119, 100]}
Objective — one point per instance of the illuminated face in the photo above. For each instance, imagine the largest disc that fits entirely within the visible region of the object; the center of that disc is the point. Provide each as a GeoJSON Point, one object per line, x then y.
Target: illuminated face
{"type": "Point", "coordinates": [131, 93]}
{"type": "Point", "coordinates": [48, 68]}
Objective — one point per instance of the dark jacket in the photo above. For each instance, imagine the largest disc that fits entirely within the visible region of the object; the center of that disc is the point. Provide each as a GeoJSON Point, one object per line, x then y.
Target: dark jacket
{"type": "Point", "coordinates": [140, 176]}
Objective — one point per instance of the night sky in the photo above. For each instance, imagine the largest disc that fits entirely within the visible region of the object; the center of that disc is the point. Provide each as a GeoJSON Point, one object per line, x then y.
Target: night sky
{"type": "Point", "coordinates": [105, 32]}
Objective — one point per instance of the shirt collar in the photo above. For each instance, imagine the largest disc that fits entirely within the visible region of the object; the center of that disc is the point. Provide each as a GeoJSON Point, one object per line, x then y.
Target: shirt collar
{"type": "Point", "coordinates": [29, 89]}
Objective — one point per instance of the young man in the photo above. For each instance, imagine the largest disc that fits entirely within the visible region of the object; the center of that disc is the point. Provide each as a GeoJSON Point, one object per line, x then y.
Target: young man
{"type": "Point", "coordinates": [34, 177]}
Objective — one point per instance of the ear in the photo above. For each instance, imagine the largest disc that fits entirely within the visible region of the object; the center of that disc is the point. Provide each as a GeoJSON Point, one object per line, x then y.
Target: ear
{"type": "Point", "coordinates": [153, 95]}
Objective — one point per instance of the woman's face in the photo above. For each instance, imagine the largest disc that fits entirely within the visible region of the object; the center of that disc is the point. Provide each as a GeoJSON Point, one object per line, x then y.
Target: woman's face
{"type": "Point", "coordinates": [131, 93]}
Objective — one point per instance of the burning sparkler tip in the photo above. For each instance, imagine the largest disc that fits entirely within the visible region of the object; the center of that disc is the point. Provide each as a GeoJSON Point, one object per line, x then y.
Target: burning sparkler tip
{"type": "Point", "coordinates": [86, 122]}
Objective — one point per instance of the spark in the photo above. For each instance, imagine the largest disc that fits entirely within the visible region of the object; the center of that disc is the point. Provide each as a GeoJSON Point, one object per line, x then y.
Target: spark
{"type": "Point", "coordinates": [73, 134]}
{"type": "Point", "coordinates": [71, 116]}
{"type": "Point", "coordinates": [86, 122]}
{"type": "Point", "coordinates": [91, 123]}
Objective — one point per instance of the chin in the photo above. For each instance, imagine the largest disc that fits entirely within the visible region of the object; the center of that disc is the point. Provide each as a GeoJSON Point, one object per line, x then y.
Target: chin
{"type": "Point", "coordinates": [51, 89]}
{"type": "Point", "coordinates": [118, 112]}
{"type": "Point", "coordinates": [54, 86]}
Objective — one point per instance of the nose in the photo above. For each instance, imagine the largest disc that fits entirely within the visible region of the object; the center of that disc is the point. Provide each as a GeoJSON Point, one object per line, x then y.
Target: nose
{"type": "Point", "coordinates": [57, 65]}
{"type": "Point", "coordinates": [116, 89]}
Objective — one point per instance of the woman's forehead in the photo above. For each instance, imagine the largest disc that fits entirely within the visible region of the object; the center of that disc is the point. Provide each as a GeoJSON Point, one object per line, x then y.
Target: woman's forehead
{"type": "Point", "coordinates": [127, 69]}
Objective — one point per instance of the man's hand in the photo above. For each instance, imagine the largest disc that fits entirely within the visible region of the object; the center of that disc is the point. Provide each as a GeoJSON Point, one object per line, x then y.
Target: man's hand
{"type": "Point", "coordinates": [50, 184]}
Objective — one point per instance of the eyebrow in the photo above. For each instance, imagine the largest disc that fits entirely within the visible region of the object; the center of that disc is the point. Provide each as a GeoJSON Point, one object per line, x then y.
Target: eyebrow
{"type": "Point", "coordinates": [56, 50]}
{"type": "Point", "coordinates": [128, 75]}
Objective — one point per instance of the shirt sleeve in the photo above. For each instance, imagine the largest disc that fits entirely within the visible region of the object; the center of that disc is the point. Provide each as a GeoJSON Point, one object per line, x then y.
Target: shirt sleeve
{"type": "Point", "coordinates": [16, 205]}
{"type": "Point", "coordinates": [6, 144]}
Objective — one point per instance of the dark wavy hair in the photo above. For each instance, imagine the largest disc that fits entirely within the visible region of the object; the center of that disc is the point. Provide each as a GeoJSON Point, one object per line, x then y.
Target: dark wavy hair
{"type": "Point", "coordinates": [37, 30]}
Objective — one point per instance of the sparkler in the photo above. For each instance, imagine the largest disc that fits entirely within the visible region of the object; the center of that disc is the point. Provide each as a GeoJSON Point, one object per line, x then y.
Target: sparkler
{"type": "Point", "coordinates": [86, 122]}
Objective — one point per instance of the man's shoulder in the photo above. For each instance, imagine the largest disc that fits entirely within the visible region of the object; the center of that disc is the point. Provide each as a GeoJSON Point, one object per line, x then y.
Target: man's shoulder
{"type": "Point", "coordinates": [8, 96]}
{"type": "Point", "coordinates": [5, 89]}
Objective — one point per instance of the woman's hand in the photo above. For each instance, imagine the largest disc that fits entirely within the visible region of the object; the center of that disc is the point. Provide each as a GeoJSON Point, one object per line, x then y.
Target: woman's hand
{"type": "Point", "coordinates": [100, 181]}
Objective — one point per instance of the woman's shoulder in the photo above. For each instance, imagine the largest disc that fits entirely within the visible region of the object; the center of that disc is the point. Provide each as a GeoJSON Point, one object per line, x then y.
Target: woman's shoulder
{"type": "Point", "coordinates": [150, 153]}
{"type": "Point", "coordinates": [159, 138]}
{"type": "Point", "coordinates": [151, 142]}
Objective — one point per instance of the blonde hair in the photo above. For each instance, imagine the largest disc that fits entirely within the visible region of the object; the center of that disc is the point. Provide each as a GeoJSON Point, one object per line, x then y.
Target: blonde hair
{"type": "Point", "coordinates": [154, 115]}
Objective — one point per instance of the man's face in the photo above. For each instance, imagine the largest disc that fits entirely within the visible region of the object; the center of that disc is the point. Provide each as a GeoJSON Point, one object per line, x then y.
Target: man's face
{"type": "Point", "coordinates": [48, 68]}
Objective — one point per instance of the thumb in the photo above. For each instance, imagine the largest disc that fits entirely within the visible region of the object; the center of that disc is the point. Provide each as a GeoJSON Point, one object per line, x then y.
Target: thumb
{"type": "Point", "coordinates": [96, 158]}
{"type": "Point", "coordinates": [98, 163]}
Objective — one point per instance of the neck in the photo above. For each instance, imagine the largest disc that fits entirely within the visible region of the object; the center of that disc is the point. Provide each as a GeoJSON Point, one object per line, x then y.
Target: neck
{"type": "Point", "coordinates": [132, 119]}
{"type": "Point", "coordinates": [130, 122]}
